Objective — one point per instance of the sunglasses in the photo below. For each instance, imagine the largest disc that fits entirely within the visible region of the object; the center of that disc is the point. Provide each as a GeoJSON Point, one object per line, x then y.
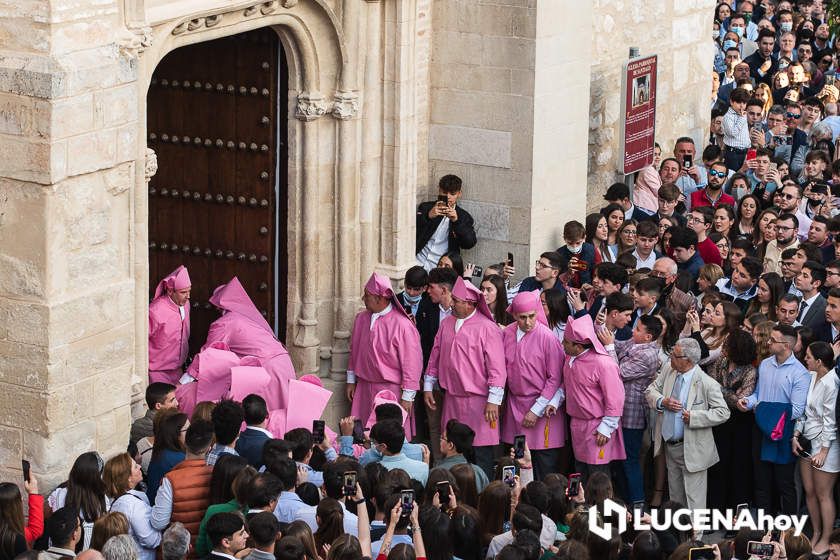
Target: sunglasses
{"type": "Point", "coordinates": [786, 196]}
{"type": "Point", "coordinates": [714, 173]}
{"type": "Point", "coordinates": [793, 115]}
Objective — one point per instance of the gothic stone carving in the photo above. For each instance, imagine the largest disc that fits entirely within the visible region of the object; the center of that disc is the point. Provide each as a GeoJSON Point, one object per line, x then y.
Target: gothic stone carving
{"type": "Point", "coordinates": [150, 166]}
{"type": "Point", "coordinates": [310, 106]}
{"type": "Point", "coordinates": [345, 105]}
{"type": "Point", "coordinates": [135, 40]}
{"type": "Point", "coordinates": [198, 23]}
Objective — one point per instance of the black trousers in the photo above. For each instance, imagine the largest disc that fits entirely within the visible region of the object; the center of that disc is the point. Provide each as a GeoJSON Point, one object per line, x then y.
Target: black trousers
{"type": "Point", "coordinates": [485, 457]}
{"type": "Point", "coordinates": [545, 461]}
{"type": "Point", "coordinates": [734, 160]}
{"type": "Point", "coordinates": [731, 479]}
{"type": "Point", "coordinates": [775, 492]}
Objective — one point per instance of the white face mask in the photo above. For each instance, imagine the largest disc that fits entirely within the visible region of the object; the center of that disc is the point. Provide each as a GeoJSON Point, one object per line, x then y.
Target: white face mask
{"type": "Point", "coordinates": [575, 249]}
{"type": "Point", "coordinates": [786, 26]}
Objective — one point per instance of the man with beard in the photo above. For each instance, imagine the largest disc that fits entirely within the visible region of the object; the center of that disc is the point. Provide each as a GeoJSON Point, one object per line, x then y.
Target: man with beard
{"type": "Point", "coordinates": [786, 228]}
{"type": "Point", "coordinates": [712, 194]}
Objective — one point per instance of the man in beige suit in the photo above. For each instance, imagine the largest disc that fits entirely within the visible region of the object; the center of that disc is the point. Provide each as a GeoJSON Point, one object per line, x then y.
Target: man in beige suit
{"type": "Point", "coordinates": [689, 403]}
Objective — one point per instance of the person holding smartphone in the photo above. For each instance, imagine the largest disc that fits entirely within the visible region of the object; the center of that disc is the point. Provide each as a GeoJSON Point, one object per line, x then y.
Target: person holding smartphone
{"type": "Point", "coordinates": [385, 352]}
{"type": "Point", "coordinates": [12, 506]}
{"type": "Point", "coordinates": [534, 359]}
{"type": "Point", "coordinates": [443, 226]}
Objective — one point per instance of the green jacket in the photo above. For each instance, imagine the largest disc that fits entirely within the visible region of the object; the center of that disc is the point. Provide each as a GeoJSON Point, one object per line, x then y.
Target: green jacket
{"type": "Point", "coordinates": [202, 544]}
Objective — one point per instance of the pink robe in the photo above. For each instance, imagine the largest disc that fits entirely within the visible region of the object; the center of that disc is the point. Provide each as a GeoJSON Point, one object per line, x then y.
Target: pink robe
{"type": "Point", "coordinates": [388, 356]}
{"type": "Point", "coordinates": [169, 340]}
{"type": "Point", "coordinates": [593, 390]}
{"type": "Point", "coordinates": [244, 337]}
{"type": "Point", "coordinates": [467, 364]}
{"type": "Point", "coordinates": [534, 369]}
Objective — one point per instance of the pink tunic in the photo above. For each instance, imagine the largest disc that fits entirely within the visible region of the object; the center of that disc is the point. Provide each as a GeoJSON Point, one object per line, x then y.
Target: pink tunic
{"type": "Point", "coordinates": [388, 356]}
{"type": "Point", "coordinates": [593, 390]}
{"type": "Point", "coordinates": [247, 338]}
{"type": "Point", "coordinates": [169, 340]}
{"type": "Point", "coordinates": [534, 369]}
{"type": "Point", "coordinates": [467, 364]}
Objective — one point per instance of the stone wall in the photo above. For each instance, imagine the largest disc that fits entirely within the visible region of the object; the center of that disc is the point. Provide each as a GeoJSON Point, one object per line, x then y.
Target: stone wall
{"type": "Point", "coordinates": [678, 31]}
{"type": "Point", "coordinates": [507, 91]}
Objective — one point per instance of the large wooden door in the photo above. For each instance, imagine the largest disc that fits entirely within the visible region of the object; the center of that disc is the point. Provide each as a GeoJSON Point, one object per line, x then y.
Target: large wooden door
{"type": "Point", "coordinates": [213, 120]}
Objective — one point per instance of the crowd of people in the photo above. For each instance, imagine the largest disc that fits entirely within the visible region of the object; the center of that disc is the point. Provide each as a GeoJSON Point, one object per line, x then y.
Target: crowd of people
{"type": "Point", "coordinates": [679, 350]}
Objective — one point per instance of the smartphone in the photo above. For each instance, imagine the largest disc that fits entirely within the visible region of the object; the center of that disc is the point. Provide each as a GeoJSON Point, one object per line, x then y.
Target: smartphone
{"type": "Point", "coordinates": [518, 447]}
{"type": "Point", "coordinates": [443, 199]}
{"type": "Point", "coordinates": [775, 535]}
{"type": "Point", "coordinates": [443, 490]}
{"type": "Point", "coordinates": [829, 79]}
{"type": "Point", "coordinates": [477, 272]}
{"type": "Point", "coordinates": [686, 161]}
{"type": "Point", "coordinates": [407, 501]}
{"type": "Point", "coordinates": [574, 485]}
{"type": "Point", "coordinates": [509, 475]}
{"type": "Point", "coordinates": [349, 488]}
{"type": "Point", "coordinates": [510, 259]}
{"type": "Point", "coordinates": [760, 549]}
{"type": "Point", "coordinates": [318, 431]}
{"type": "Point", "coordinates": [751, 153]}
{"type": "Point", "coordinates": [24, 464]}
{"type": "Point", "coordinates": [701, 553]}
{"type": "Point", "coordinates": [359, 430]}
{"type": "Point", "coordinates": [740, 507]}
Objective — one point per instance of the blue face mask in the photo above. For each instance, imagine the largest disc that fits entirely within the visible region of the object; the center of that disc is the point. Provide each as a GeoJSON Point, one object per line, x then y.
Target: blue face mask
{"type": "Point", "coordinates": [412, 299]}
{"type": "Point", "coordinates": [729, 44]}
{"type": "Point", "coordinates": [739, 31]}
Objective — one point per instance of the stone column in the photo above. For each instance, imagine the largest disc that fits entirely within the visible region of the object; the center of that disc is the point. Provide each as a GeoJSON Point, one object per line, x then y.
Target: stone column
{"type": "Point", "coordinates": [68, 153]}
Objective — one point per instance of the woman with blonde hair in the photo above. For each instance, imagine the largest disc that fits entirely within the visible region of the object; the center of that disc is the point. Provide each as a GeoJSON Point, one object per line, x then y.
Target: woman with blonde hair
{"type": "Point", "coordinates": [301, 531]}
{"type": "Point", "coordinates": [762, 93]}
{"type": "Point", "coordinates": [707, 277]}
{"type": "Point", "coordinates": [762, 333]}
{"type": "Point", "coordinates": [109, 525]}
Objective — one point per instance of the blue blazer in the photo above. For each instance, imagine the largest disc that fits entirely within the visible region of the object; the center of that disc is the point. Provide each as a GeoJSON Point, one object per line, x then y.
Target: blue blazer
{"type": "Point", "coordinates": [250, 446]}
{"type": "Point", "coordinates": [767, 415]}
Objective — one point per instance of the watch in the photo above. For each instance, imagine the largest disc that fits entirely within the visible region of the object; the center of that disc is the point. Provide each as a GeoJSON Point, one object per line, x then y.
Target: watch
{"type": "Point", "coordinates": [360, 501]}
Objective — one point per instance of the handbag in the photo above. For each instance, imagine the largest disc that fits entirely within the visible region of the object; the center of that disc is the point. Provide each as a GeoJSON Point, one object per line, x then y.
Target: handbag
{"type": "Point", "coordinates": [805, 445]}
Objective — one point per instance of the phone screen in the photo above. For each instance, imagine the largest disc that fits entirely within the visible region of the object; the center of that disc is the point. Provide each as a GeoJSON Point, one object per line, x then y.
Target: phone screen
{"type": "Point", "coordinates": [25, 466]}
{"type": "Point", "coordinates": [510, 259]}
{"type": "Point", "coordinates": [702, 553]}
{"type": "Point", "coordinates": [443, 199]}
{"type": "Point", "coordinates": [518, 447]}
{"type": "Point", "coordinates": [443, 490]}
{"type": "Point", "coordinates": [318, 431]}
{"type": "Point", "coordinates": [686, 161]}
{"type": "Point", "coordinates": [349, 483]}
{"type": "Point", "coordinates": [358, 432]}
{"type": "Point", "coordinates": [407, 500]}
{"type": "Point", "coordinates": [509, 475]}
{"type": "Point", "coordinates": [751, 153]}
{"type": "Point", "coordinates": [761, 549]}
{"type": "Point", "coordinates": [574, 485]}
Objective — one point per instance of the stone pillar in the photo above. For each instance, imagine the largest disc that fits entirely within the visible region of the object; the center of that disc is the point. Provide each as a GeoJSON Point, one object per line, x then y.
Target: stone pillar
{"type": "Point", "coordinates": [68, 147]}
{"type": "Point", "coordinates": [509, 98]}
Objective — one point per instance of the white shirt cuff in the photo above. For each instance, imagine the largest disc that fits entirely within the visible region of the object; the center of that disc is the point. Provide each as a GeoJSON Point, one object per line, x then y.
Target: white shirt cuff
{"type": "Point", "coordinates": [408, 395]}
{"type": "Point", "coordinates": [429, 383]}
{"type": "Point", "coordinates": [609, 347]}
{"type": "Point", "coordinates": [496, 395]}
{"type": "Point", "coordinates": [558, 398]}
{"type": "Point", "coordinates": [608, 425]}
{"type": "Point", "coordinates": [539, 407]}
{"type": "Point", "coordinates": [351, 376]}
{"type": "Point", "coordinates": [186, 378]}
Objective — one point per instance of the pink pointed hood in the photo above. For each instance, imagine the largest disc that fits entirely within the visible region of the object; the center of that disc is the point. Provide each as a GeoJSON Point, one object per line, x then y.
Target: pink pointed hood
{"type": "Point", "coordinates": [525, 302]}
{"type": "Point", "coordinates": [582, 331]}
{"type": "Point", "coordinates": [247, 380]}
{"type": "Point", "coordinates": [178, 279]}
{"type": "Point", "coordinates": [465, 291]}
{"type": "Point", "coordinates": [233, 297]}
{"type": "Point", "coordinates": [385, 396]}
{"type": "Point", "coordinates": [380, 285]}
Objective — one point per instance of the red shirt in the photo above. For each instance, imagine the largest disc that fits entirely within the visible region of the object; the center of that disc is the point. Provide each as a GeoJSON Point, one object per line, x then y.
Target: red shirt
{"type": "Point", "coordinates": [700, 198]}
{"type": "Point", "coordinates": [709, 251]}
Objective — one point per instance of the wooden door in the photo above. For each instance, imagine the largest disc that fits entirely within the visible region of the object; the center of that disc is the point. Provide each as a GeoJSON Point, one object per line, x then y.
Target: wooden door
{"type": "Point", "coordinates": [213, 120]}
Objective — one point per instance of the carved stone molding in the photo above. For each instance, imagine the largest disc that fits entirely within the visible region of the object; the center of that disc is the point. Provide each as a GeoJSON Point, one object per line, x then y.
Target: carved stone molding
{"type": "Point", "coordinates": [345, 105]}
{"type": "Point", "coordinates": [290, 3]}
{"type": "Point", "coordinates": [196, 24]}
{"type": "Point", "coordinates": [150, 166]}
{"type": "Point", "coordinates": [269, 7]}
{"type": "Point", "coordinates": [134, 40]}
{"type": "Point", "coordinates": [310, 106]}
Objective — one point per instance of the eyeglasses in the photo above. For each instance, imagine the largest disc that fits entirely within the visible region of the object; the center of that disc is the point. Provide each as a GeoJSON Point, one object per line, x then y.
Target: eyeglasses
{"type": "Point", "coordinates": [714, 173]}
{"type": "Point", "coordinates": [692, 219]}
{"type": "Point", "coordinates": [787, 196]}
{"type": "Point", "coordinates": [541, 265]}
{"type": "Point", "coordinates": [658, 274]}
{"type": "Point", "coordinates": [678, 356]}
{"type": "Point", "coordinates": [793, 115]}
{"type": "Point", "coordinates": [628, 232]}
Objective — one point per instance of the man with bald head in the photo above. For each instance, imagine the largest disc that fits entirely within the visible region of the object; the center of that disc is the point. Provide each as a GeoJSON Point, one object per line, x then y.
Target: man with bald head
{"type": "Point", "coordinates": [675, 299]}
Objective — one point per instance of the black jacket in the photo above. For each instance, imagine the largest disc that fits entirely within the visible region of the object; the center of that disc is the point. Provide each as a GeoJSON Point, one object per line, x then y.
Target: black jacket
{"type": "Point", "coordinates": [461, 233]}
{"type": "Point", "coordinates": [427, 321]}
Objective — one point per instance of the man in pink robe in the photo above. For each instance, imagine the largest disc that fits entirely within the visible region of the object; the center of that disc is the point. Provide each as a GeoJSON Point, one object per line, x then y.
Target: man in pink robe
{"type": "Point", "coordinates": [384, 352]}
{"type": "Point", "coordinates": [468, 361]}
{"type": "Point", "coordinates": [534, 359]}
{"type": "Point", "coordinates": [247, 333]}
{"type": "Point", "coordinates": [594, 398]}
{"type": "Point", "coordinates": [169, 327]}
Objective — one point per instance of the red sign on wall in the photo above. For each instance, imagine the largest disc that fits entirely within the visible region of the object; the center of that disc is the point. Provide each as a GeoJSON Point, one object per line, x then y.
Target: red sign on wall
{"type": "Point", "coordinates": [638, 110]}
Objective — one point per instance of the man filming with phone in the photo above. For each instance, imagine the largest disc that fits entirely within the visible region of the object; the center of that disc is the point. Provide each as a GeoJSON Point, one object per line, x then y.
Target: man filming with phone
{"type": "Point", "coordinates": [442, 226]}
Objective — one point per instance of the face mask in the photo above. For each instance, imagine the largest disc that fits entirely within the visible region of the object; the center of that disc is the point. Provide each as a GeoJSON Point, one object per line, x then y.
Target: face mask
{"type": "Point", "coordinates": [786, 26]}
{"type": "Point", "coordinates": [715, 35]}
{"type": "Point", "coordinates": [783, 65]}
{"type": "Point", "coordinates": [729, 44]}
{"type": "Point", "coordinates": [747, 18]}
{"type": "Point", "coordinates": [412, 299]}
{"type": "Point", "coordinates": [739, 31]}
{"type": "Point", "coordinates": [575, 250]}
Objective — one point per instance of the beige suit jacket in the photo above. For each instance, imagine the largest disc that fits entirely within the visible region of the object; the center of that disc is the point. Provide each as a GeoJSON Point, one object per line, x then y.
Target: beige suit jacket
{"type": "Point", "coordinates": [706, 407]}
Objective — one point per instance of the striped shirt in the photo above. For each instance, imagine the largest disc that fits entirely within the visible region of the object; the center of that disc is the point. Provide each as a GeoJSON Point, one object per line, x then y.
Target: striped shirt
{"type": "Point", "coordinates": [736, 131]}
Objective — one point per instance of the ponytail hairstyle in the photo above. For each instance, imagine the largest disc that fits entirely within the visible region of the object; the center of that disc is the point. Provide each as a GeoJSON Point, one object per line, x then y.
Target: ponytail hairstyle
{"type": "Point", "coordinates": [330, 517]}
